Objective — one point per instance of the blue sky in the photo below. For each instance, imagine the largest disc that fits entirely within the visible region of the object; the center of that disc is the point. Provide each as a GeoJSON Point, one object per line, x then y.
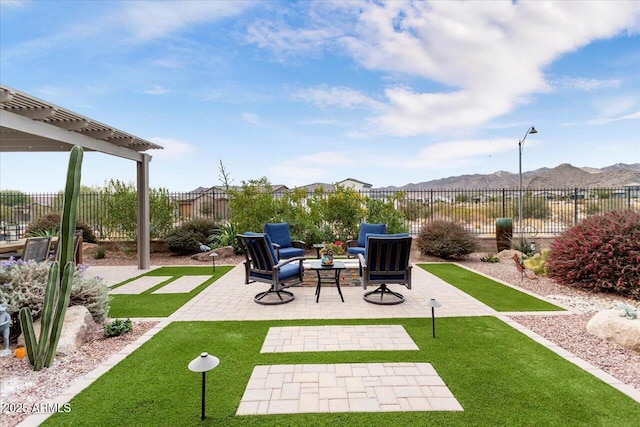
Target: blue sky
{"type": "Point", "coordinates": [388, 93]}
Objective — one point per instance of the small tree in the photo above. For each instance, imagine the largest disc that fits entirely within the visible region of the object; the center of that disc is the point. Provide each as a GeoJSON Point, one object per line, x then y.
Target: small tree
{"type": "Point", "coordinates": [380, 211]}
{"type": "Point", "coordinates": [251, 206]}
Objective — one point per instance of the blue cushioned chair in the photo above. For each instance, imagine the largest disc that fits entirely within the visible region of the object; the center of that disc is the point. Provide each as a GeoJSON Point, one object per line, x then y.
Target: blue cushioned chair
{"type": "Point", "coordinates": [281, 240]}
{"type": "Point", "coordinates": [262, 265]}
{"type": "Point", "coordinates": [386, 261]}
{"type": "Point", "coordinates": [356, 247]}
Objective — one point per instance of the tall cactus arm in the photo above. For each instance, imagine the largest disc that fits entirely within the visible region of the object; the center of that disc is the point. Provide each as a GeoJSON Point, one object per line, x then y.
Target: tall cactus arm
{"type": "Point", "coordinates": [50, 297]}
{"type": "Point", "coordinates": [26, 323]}
{"type": "Point", "coordinates": [60, 310]}
{"type": "Point", "coordinates": [68, 217]}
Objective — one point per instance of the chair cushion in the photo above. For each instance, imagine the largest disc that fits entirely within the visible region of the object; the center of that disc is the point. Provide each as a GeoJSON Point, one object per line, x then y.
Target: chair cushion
{"type": "Point", "coordinates": [355, 250]}
{"type": "Point", "coordinates": [369, 228]}
{"type": "Point", "coordinates": [286, 272]}
{"type": "Point", "coordinates": [279, 233]}
{"type": "Point", "coordinates": [291, 252]}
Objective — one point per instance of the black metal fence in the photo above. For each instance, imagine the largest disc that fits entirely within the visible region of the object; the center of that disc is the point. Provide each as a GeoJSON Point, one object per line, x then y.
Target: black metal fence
{"type": "Point", "coordinates": [544, 211]}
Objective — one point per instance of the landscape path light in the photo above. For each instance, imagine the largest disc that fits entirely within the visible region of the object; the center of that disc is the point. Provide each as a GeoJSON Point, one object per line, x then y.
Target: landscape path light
{"type": "Point", "coordinates": [203, 363]}
{"type": "Point", "coordinates": [433, 304]}
{"type": "Point", "coordinates": [531, 130]}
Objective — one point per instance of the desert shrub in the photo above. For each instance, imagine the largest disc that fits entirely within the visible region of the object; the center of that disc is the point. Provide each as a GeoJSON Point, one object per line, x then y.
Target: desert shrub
{"type": "Point", "coordinates": [100, 252]}
{"type": "Point", "coordinates": [522, 244]}
{"type": "Point", "coordinates": [187, 237]}
{"type": "Point", "coordinates": [491, 258]}
{"type": "Point", "coordinates": [600, 253]}
{"type": "Point", "coordinates": [117, 328]}
{"type": "Point", "coordinates": [225, 236]}
{"type": "Point", "coordinates": [49, 225]}
{"type": "Point", "coordinates": [538, 263]}
{"type": "Point", "coordinates": [22, 284]}
{"type": "Point", "coordinates": [446, 239]}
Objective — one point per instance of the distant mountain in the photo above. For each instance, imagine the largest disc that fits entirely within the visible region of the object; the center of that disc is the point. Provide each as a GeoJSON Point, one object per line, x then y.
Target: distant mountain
{"type": "Point", "coordinates": [564, 175]}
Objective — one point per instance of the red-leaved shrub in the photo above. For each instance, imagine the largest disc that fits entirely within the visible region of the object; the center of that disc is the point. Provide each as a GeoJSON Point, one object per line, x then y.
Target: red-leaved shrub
{"type": "Point", "coordinates": [601, 253]}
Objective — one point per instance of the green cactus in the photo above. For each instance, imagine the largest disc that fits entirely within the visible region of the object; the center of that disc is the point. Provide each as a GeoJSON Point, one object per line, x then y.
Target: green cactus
{"type": "Point", "coordinates": [58, 291]}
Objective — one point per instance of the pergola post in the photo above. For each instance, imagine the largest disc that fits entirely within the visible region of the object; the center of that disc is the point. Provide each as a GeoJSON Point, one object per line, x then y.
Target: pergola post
{"type": "Point", "coordinates": [144, 232]}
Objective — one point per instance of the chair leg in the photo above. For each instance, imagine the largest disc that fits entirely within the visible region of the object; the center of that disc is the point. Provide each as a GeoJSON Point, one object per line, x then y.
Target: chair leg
{"type": "Point", "coordinates": [270, 300]}
{"type": "Point", "coordinates": [383, 290]}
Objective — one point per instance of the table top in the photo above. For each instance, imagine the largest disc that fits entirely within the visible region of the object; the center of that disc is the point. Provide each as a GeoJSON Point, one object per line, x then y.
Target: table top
{"type": "Point", "coordinates": [318, 245]}
{"type": "Point", "coordinates": [337, 265]}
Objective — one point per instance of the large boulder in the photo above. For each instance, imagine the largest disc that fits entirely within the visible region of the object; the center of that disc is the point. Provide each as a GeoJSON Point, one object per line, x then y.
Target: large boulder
{"type": "Point", "coordinates": [223, 252]}
{"type": "Point", "coordinates": [78, 329]}
{"type": "Point", "coordinates": [610, 325]}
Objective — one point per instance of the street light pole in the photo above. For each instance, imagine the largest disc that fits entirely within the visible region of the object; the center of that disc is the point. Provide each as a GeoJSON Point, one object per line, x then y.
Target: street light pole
{"type": "Point", "coordinates": [531, 130]}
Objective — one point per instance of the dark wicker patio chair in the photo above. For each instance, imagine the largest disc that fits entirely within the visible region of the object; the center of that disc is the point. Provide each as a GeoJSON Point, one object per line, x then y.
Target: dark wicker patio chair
{"type": "Point", "coordinates": [385, 262]}
{"type": "Point", "coordinates": [262, 265]}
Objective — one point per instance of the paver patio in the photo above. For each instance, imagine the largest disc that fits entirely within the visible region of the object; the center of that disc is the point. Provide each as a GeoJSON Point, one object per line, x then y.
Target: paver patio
{"type": "Point", "coordinates": [230, 299]}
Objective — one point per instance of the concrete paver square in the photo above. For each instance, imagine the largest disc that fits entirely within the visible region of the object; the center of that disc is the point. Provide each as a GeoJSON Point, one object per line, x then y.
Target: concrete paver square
{"type": "Point", "coordinates": [182, 285]}
{"type": "Point", "coordinates": [303, 392]}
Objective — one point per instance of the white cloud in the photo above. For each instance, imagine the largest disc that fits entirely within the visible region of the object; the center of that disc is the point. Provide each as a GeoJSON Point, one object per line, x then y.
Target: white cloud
{"type": "Point", "coordinates": [251, 118]}
{"type": "Point", "coordinates": [336, 96]}
{"type": "Point", "coordinates": [173, 149]}
{"type": "Point", "coordinates": [586, 85]}
{"type": "Point", "coordinates": [451, 153]}
{"type": "Point", "coordinates": [314, 167]}
{"type": "Point", "coordinates": [156, 90]}
{"type": "Point", "coordinates": [150, 20]}
{"type": "Point", "coordinates": [491, 56]}
{"type": "Point", "coordinates": [632, 116]}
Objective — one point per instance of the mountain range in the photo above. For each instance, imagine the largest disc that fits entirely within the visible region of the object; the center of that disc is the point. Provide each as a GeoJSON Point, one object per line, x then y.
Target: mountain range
{"type": "Point", "coordinates": [562, 176]}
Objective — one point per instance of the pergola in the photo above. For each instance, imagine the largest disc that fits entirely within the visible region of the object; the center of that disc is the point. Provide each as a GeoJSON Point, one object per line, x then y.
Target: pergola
{"type": "Point", "coordinates": [29, 124]}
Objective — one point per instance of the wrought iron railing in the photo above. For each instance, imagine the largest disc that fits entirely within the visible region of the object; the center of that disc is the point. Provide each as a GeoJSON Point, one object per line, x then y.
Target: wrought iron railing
{"type": "Point", "coordinates": [546, 211]}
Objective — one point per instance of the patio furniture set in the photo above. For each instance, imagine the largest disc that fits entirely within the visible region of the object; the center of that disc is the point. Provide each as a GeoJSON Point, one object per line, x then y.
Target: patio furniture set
{"type": "Point", "coordinates": [272, 257]}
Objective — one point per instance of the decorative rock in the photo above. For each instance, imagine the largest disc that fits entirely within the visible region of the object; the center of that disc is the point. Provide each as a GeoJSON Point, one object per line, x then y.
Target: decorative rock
{"type": "Point", "coordinates": [223, 252]}
{"type": "Point", "coordinates": [77, 329]}
{"type": "Point", "coordinates": [610, 325]}
{"type": "Point", "coordinates": [509, 253]}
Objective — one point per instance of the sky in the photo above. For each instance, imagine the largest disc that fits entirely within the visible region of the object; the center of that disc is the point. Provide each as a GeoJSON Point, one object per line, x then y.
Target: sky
{"type": "Point", "coordinates": [388, 93]}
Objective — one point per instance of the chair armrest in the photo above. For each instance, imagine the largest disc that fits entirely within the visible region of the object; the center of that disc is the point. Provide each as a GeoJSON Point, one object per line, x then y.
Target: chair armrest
{"type": "Point", "coordinates": [288, 260]}
{"type": "Point", "coordinates": [275, 245]}
{"type": "Point", "coordinates": [350, 243]}
{"type": "Point", "coordinates": [363, 263]}
{"type": "Point", "coordinates": [298, 244]}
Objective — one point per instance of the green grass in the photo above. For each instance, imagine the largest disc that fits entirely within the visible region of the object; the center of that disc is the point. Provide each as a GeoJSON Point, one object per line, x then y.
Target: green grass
{"type": "Point", "coordinates": [494, 294]}
{"type": "Point", "coordinates": [148, 304]}
{"type": "Point", "coordinates": [499, 376]}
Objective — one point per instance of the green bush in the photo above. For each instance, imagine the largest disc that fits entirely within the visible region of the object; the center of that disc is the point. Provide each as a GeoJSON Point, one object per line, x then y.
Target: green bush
{"type": "Point", "coordinates": [49, 225]}
{"type": "Point", "coordinates": [23, 285]}
{"type": "Point", "coordinates": [491, 258]}
{"type": "Point", "coordinates": [446, 239]}
{"type": "Point", "coordinates": [100, 252]}
{"type": "Point", "coordinates": [186, 238]}
{"type": "Point", "coordinates": [117, 328]}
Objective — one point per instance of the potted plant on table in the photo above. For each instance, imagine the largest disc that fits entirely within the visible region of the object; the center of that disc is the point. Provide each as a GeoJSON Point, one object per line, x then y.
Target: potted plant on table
{"type": "Point", "coordinates": [329, 250]}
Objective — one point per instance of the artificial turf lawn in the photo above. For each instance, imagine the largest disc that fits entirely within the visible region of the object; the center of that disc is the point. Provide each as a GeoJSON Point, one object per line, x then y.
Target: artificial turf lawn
{"type": "Point", "coordinates": [499, 376]}
{"type": "Point", "coordinates": [494, 294]}
{"type": "Point", "coordinates": [148, 304]}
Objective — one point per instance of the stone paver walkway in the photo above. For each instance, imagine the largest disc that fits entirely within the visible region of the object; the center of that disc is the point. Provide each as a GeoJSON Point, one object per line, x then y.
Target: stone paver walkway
{"type": "Point", "coordinates": [184, 284]}
{"type": "Point", "coordinates": [346, 387]}
{"type": "Point", "coordinates": [337, 338]}
{"type": "Point", "coordinates": [139, 285]}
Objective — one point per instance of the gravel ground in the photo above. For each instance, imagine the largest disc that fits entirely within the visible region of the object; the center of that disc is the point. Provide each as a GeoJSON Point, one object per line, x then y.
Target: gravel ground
{"type": "Point", "coordinates": [23, 388]}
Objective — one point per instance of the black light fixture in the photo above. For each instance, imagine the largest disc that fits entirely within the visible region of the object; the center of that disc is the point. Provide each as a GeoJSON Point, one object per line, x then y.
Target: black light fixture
{"type": "Point", "coordinates": [433, 304]}
{"type": "Point", "coordinates": [203, 363]}
{"type": "Point", "coordinates": [531, 130]}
